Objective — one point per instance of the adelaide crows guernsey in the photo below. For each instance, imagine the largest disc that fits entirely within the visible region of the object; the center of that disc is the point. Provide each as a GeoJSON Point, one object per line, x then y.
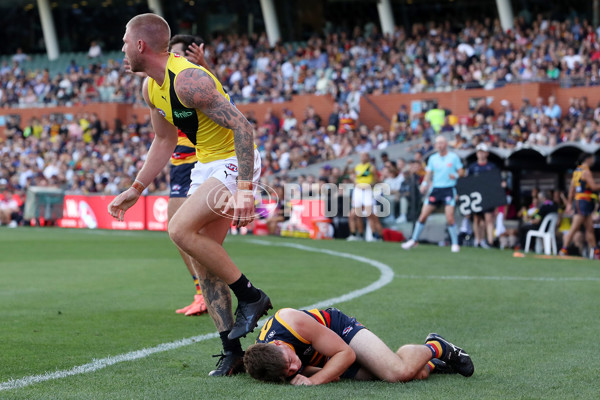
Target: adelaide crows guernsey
{"type": "Point", "coordinates": [582, 192]}
{"type": "Point", "coordinates": [210, 140]}
{"type": "Point", "coordinates": [277, 329]}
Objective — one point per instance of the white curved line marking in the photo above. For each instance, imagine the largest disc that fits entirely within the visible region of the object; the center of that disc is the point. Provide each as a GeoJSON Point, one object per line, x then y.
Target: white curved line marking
{"type": "Point", "coordinates": [386, 277]}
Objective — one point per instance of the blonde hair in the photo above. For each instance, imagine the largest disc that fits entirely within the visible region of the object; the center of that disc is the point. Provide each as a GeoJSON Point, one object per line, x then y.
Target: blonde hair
{"type": "Point", "coordinates": [152, 29]}
{"type": "Point", "coordinates": [265, 362]}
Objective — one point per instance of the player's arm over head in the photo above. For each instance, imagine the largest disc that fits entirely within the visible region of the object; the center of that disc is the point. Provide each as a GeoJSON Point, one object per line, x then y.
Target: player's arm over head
{"type": "Point", "coordinates": [323, 340]}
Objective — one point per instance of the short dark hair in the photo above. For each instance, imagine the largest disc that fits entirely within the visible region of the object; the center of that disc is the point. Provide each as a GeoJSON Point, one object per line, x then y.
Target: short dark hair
{"type": "Point", "coordinates": [186, 40]}
{"type": "Point", "coordinates": [584, 156]}
{"type": "Point", "coordinates": [265, 362]}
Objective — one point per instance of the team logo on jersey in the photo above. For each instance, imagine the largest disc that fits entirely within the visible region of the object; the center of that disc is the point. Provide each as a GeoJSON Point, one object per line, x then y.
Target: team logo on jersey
{"type": "Point", "coordinates": [347, 330]}
{"type": "Point", "coordinates": [271, 334]}
{"type": "Point", "coordinates": [231, 167]}
{"type": "Point", "coordinates": [308, 351]}
{"type": "Point", "coordinates": [161, 112]}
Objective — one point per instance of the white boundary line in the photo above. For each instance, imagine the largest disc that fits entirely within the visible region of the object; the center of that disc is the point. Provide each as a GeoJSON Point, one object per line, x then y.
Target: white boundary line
{"type": "Point", "coordinates": [386, 276]}
{"type": "Point", "coordinates": [501, 278]}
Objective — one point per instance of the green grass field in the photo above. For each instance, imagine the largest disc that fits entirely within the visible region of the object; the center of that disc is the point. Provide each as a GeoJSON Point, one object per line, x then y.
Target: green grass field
{"type": "Point", "coordinates": [71, 298]}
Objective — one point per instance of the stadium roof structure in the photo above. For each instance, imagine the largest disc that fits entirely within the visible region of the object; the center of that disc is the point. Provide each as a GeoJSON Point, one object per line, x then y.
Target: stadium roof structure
{"type": "Point", "coordinates": [269, 10]}
{"type": "Point", "coordinates": [541, 158]}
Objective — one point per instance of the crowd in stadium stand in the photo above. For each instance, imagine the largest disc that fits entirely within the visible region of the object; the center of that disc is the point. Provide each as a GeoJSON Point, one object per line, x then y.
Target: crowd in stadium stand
{"type": "Point", "coordinates": [81, 154]}
{"type": "Point", "coordinates": [430, 56]}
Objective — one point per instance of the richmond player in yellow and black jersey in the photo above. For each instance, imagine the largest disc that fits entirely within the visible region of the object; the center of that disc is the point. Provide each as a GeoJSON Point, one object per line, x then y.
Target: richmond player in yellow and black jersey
{"type": "Point", "coordinates": [185, 96]}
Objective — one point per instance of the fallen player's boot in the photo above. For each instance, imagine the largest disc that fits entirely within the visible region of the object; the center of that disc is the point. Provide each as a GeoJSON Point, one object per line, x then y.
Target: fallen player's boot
{"type": "Point", "coordinates": [453, 355]}
{"type": "Point", "coordinates": [440, 367]}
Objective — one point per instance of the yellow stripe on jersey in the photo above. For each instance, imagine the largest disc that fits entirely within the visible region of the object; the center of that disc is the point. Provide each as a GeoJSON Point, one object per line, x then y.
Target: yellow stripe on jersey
{"type": "Point", "coordinates": [211, 140]}
{"type": "Point", "coordinates": [289, 328]}
{"type": "Point", "coordinates": [317, 313]}
{"type": "Point", "coordinates": [265, 329]}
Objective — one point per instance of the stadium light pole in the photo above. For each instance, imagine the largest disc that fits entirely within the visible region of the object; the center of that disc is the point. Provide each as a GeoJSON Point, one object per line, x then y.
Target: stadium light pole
{"type": "Point", "coordinates": [48, 29]}
{"type": "Point", "coordinates": [271, 23]}
{"type": "Point", "coordinates": [156, 7]}
{"type": "Point", "coordinates": [386, 17]}
{"type": "Point", "coordinates": [505, 12]}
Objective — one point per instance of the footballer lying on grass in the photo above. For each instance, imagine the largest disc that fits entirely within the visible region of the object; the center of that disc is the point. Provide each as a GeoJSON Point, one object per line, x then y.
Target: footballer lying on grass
{"type": "Point", "coordinates": [321, 346]}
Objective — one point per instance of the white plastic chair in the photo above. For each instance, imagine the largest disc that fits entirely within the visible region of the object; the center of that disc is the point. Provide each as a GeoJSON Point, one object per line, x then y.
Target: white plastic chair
{"type": "Point", "coordinates": [546, 232]}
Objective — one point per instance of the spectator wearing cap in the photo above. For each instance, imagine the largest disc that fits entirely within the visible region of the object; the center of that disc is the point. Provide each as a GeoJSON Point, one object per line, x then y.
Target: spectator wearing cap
{"type": "Point", "coordinates": [483, 222]}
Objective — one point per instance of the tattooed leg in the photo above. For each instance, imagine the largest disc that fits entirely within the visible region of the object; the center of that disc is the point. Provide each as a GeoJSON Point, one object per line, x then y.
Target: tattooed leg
{"type": "Point", "coordinates": [217, 297]}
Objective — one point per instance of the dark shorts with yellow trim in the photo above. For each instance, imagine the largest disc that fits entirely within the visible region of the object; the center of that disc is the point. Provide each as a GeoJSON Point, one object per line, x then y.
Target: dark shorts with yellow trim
{"type": "Point", "coordinates": [442, 196]}
{"type": "Point", "coordinates": [346, 327]}
{"type": "Point", "coordinates": [180, 179]}
{"type": "Point", "coordinates": [584, 207]}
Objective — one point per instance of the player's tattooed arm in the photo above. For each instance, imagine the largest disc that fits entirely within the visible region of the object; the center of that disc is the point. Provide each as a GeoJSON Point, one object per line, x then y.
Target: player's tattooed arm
{"type": "Point", "coordinates": [218, 301]}
{"type": "Point", "coordinates": [196, 89]}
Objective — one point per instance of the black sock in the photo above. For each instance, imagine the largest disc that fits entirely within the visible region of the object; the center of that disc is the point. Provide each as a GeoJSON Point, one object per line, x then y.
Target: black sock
{"type": "Point", "coordinates": [244, 291]}
{"type": "Point", "coordinates": [233, 346]}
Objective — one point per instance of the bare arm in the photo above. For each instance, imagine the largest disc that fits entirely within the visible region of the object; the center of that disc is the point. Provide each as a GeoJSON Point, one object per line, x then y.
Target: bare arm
{"type": "Point", "coordinates": [160, 151]}
{"type": "Point", "coordinates": [571, 193]}
{"type": "Point", "coordinates": [197, 90]}
{"type": "Point", "coordinates": [426, 183]}
{"type": "Point", "coordinates": [195, 54]}
{"type": "Point", "coordinates": [589, 179]}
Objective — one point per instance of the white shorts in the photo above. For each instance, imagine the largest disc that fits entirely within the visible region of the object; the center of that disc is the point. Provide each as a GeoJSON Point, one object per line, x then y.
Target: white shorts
{"type": "Point", "coordinates": [225, 171]}
{"type": "Point", "coordinates": [362, 196]}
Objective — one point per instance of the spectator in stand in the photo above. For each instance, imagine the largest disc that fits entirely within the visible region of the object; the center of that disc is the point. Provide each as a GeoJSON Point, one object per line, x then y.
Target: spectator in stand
{"type": "Point", "coordinates": [19, 57]}
{"type": "Point", "coordinates": [348, 119]}
{"type": "Point", "coordinates": [95, 50]}
{"type": "Point", "coordinates": [552, 110]}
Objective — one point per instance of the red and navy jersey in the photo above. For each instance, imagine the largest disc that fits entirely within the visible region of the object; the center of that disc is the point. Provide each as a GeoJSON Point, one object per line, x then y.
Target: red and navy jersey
{"type": "Point", "coordinates": [185, 152]}
{"type": "Point", "coordinates": [277, 329]}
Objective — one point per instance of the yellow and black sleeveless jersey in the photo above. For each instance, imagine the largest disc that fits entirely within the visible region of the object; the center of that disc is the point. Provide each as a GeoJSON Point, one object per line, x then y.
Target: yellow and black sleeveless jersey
{"type": "Point", "coordinates": [582, 192]}
{"type": "Point", "coordinates": [184, 152]}
{"type": "Point", "coordinates": [210, 140]}
{"type": "Point", "coordinates": [364, 173]}
{"type": "Point", "coordinates": [277, 329]}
